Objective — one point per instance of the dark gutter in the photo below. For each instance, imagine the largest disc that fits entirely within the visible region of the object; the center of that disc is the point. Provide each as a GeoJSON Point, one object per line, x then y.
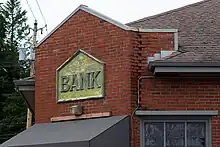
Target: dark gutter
{"type": "Point", "coordinates": [24, 82]}
{"type": "Point", "coordinates": [184, 68]}
{"type": "Point", "coordinates": [154, 64]}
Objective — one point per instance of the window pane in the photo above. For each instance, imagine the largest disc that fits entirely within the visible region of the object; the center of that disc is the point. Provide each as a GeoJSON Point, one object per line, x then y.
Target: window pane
{"type": "Point", "coordinates": [175, 135]}
{"type": "Point", "coordinates": [196, 134]}
{"type": "Point", "coordinates": [154, 134]}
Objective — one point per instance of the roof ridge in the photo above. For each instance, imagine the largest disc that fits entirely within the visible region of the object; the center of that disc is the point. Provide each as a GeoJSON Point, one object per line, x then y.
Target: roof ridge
{"type": "Point", "coordinates": [90, 11]}
{"type": "Point", "coordinates": [169, 11]}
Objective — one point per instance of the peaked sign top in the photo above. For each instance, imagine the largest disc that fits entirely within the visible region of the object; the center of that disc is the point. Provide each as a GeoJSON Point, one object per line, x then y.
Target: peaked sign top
{"type": "Point", "coordinates": [80, 77]}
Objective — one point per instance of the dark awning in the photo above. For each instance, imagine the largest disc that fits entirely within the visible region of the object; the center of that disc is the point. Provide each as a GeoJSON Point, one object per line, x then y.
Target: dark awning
{"type": "Point", "coordinates": [108, 132]}
{"type": "Point", "coordinates": [26, 87]}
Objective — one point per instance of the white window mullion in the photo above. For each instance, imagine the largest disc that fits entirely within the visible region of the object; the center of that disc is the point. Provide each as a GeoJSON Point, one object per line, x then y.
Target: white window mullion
{"type": "Point", "coordinates": [164, 124]}
{"type": "Point", "coordinates": [187, 123]}
{"type": "Point", "coordinates": [185, 134]}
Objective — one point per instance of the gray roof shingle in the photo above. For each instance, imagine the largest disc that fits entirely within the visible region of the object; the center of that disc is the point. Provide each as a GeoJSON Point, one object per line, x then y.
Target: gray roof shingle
{"type": "Point", "coordinates": [198, 26]}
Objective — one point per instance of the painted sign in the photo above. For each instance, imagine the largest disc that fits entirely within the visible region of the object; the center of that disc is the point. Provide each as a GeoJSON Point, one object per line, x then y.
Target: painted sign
{"type": "Point", "coordinates": [80, 77]}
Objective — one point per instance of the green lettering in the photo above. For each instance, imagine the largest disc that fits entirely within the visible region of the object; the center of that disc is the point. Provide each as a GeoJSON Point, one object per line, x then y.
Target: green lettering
{"type": "Point", "coordinates": [94, 81]}
{"type": "Point", "coordinates": [80, 81]}
{"type": "Point", "coordinates": [74, 83]}
{"type": "Point", "coordinates": [88, 80]}
{"type": "Point", "coordinates": [81, 78]}
{"type": "Point", "coordinates": [64, 84]}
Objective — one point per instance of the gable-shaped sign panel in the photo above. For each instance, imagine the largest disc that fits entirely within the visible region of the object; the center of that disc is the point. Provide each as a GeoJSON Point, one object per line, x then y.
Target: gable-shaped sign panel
{"type": "Point", "coordinates": [80, 77]}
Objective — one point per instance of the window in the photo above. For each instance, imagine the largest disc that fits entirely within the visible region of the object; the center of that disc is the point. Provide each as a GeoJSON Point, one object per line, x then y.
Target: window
{"type": "Point", "coordinates": [175, 133]}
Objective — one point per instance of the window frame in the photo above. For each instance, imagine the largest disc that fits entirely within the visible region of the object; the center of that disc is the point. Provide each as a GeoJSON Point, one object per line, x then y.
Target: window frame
{"type": "Point", "coordinates": [207, 120]}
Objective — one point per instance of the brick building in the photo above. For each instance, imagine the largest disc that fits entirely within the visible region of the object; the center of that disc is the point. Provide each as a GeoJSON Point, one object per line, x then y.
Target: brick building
{"type": "Point", "coordinates": [150, 83]}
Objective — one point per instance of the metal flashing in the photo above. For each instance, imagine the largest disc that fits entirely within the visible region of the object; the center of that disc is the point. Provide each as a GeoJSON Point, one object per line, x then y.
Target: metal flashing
{"type": "Point", "coordinates": [182, 64]}
{"type": "Point", "coordinates": [188, 113]}
{"type": "Point", "coordinates": [183, 67]}
{"type": "Point", "coordinates": [157, 30]}
{"type": "Point", "coordinates": [106, 18]}
{"type": "Point", "coordinates": [187, 70]}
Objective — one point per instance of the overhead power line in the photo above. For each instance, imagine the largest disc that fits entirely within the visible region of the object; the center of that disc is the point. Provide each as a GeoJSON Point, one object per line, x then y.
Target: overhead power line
{"type": "Point", "coordinates": [41, 13]}
{"type": "Point", "coordinates": [31, 9]}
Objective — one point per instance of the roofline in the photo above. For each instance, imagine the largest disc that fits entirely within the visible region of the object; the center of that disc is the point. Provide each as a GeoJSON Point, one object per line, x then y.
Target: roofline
{"type": "Point", "coordinates": [155, 30]}
{"type": "Point", "coordinates": [90, 11]}
{"type": "Point", "coordinates": [167, 12]}
{"type": "Point", "coordinates": [182, 64]}
{"type": "Point", "coordinates": [188, 70]}
{"type": "Point", "coordinates": [106, 18]}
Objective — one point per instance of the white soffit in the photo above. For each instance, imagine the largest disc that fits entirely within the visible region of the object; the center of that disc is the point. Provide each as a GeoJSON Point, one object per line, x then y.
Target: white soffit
{"type": "Point", "coordinates": [106, 18]}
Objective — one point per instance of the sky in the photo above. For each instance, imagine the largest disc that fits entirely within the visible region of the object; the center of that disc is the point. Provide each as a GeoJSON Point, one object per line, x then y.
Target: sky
{"type": "Point", "coordinates": [124, 11]}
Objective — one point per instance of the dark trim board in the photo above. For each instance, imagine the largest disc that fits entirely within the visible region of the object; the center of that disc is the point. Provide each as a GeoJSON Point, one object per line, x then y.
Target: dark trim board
{"type": "Point", "coordinates": [183, 64]}
{"type": "Point", "coordinates": [198, 69]}
{"type": "Point", "coordinates": [177, 113]}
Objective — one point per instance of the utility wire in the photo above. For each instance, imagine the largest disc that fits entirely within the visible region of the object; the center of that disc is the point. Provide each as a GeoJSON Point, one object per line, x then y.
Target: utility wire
{"type": "Point", "coordinates": [31, 9]}
{"type": "Point", "coordinates": [41, 13]}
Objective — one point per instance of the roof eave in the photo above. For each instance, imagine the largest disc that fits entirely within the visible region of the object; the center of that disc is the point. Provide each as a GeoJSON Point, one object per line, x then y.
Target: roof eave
{"type": "Point", "coordinates": [106, 18]}
{"type": "Point", "coordinates": [183, 64]}
{"type": "Point", "coordinates": [184, 67]}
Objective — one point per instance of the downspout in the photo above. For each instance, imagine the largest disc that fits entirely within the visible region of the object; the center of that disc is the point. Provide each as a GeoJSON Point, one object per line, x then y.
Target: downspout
{"type": "Point", "coordinates": [139, 82]}
{"type": "Point", "coordinates": [138, 93]}
{"type": "Point", "coordinates": [138, 104]}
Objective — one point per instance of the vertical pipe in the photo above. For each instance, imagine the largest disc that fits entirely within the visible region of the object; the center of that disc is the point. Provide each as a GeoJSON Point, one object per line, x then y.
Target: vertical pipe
{"type": "Point", "coordinates": [32, 71]}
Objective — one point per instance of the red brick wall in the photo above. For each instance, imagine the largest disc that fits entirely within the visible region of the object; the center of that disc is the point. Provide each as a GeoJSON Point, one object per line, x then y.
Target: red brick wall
{"type": "Point", "coordinates": [183, 94]}
{"type": "Point", "coordinates": [125, 56]}
{"type": "Point", "coordinates": [173, 94]}
{"type": "Point", "coordinates": [100, 39]}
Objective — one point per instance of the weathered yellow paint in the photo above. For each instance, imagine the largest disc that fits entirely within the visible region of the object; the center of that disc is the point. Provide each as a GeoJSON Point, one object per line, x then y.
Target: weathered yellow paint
{"type": "Point", "coordinates": [81, 62]}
